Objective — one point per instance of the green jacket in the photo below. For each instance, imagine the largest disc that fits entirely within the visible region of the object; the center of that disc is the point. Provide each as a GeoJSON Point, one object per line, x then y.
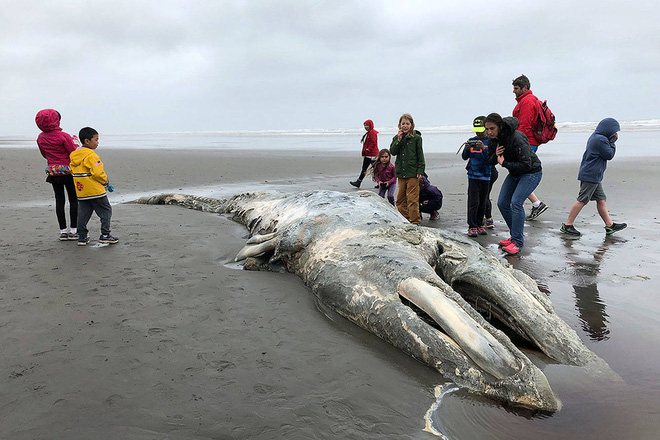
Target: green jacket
{"type": "Point", "coordinates": [409, 156]}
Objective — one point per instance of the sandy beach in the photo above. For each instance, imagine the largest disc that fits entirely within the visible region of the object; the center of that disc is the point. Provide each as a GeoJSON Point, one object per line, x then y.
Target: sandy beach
{"type": "Point", "coordinates": [162, 336]}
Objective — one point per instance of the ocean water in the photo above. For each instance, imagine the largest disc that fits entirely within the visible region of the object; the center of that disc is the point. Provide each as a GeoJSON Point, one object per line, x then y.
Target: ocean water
{"type": "Point", "coordinates": [635, 139]}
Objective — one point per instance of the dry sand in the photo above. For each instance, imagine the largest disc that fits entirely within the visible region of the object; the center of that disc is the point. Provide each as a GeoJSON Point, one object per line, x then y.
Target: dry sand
{"type": "Point", "coordinates": [160, 336]}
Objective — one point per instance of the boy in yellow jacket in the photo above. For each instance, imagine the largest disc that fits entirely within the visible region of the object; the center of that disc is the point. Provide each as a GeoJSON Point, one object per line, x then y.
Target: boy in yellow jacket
{"type": "Point", "coordinates": [91, 185]}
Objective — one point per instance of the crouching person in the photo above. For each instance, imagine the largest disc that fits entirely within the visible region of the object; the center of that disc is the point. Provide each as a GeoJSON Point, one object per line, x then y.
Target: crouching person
{"type": "Point", "coordinates": [430, 198]}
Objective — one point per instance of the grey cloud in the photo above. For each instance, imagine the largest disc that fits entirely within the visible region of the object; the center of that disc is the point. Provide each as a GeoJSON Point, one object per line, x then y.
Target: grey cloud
{"type": "Point", "coordinates": [213, 65]}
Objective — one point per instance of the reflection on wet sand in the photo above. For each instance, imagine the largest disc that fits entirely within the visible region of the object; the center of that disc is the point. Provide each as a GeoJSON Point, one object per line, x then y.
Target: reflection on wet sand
{"type": "Point", "coordinates": [591, 308]}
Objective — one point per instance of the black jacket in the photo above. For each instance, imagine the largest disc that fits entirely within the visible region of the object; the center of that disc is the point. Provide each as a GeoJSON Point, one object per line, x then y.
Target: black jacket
{"type": "Point", "coordinates": [519, 158]}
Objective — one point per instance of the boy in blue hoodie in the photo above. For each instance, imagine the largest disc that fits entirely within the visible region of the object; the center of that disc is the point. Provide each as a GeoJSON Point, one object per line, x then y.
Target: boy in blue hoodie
{"type": "Point", "coordinates": [600, 148]}
{"type": "Point", "coordinates": [479, 184]}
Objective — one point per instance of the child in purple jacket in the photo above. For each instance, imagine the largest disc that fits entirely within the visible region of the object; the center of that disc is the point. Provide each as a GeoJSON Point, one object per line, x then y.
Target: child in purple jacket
{"type": "Point", "coordinates": [384, 175]}
{"type": "Point", "coordinates": [430, 198]}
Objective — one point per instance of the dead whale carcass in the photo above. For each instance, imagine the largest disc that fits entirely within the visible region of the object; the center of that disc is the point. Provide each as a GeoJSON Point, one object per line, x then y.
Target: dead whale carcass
{"type": "Point", "coordinates": [408, 285]}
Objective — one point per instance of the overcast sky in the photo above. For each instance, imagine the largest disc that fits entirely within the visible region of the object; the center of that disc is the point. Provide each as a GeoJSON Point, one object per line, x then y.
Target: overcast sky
{"type": "Point", "coordinates": [145, 66]}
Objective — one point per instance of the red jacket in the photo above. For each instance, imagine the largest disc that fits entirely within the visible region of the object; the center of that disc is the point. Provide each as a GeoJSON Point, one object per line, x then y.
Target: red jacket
{"type": "Point", "coordinates": [370, 140]}
{"type": "Point", "coordinates": [526, 111]}
{"type": "Point", "coordinates": [54, 144]}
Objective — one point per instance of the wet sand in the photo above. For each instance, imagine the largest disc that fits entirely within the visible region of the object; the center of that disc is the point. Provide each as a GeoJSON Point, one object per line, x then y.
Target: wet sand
{"type": "Point", "coordinates": [161, 336]}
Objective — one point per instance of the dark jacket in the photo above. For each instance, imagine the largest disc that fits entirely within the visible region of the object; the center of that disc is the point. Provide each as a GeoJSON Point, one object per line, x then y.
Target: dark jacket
{"type": "Point", "coordinates": [430, 193]}
{"type": "Point", "coordinates": [409, 155]}
{"type": "Point", "coordinates": [519, 158]}
{"type": "Point", "coordinates": [600, 149]}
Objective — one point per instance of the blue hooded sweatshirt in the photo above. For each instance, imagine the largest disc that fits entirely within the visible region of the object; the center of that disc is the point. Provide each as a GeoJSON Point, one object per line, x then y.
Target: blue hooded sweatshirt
{"type": "Point", "coordinates": [478, 166]}
{"type": "Point", "coordinates": [600, 148]}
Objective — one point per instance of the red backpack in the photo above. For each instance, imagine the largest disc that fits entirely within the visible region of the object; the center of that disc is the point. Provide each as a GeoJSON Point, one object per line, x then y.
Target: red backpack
{"type": "Point", "coordinates": [544, 129]}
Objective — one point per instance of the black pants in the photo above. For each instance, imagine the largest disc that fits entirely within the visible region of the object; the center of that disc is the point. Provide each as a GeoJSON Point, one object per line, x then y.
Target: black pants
{"type": "Point", "coordinates": [366, 163]}
{"type": "Point", "coordinates": [60, 183]}
{"type": "Point", "coordinates": [488, 213]}
{"type": "Point", "coordinates": [102, 208]}
{"type": "Point", "coordinates": [476, 203]}
{"type": "Point", "coordinates": [430, 207]}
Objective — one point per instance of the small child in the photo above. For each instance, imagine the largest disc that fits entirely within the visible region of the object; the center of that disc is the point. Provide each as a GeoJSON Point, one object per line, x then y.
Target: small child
{"type": "Point", "coordinates": [91, 184]}
{"type": "Point", "coordinates": [430, 198]}
{"type": "Point", "coordinates": [478, 171]}
{"type": "Point", "coordinates": [601, 147]}
{"type": "Point", "coordinates": [384, 175]}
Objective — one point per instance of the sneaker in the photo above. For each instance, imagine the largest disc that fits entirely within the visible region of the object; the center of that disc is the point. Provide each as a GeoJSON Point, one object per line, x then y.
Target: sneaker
{"type": "Point", "coordinates": [472, 232]}
{"type": "Point", "coordinates": [64, 236]}
{"type": "Point", "coordinates": [434, 215]}
{"type": "Point", "coordinates": [489, 223]}
{"type": "Point", "coordinates": [482, 231]}
{"type": "Point", "coordinates": [537, 211]}
{"type": "Point", "coordinates": [569, 229]}
{"type": "Point", "coordinates": [512, 248]}
{"type": "Point", "coordinates": [82, 241]}
{"type": "Point", "coordinates": [356, 183]}
{"type": "Point", "coordinates": [505, 242]}
{"type": "Point", "coordinates": [109, 239]}
{"type": "Point", "coordinates": [72, 236]}
{"type": "Point", "coordinates": [609, 230]}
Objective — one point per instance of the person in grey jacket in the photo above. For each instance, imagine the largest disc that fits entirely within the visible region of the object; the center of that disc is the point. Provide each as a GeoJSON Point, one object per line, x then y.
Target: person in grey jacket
{"type": "Point", "coordinates": [601, 147]}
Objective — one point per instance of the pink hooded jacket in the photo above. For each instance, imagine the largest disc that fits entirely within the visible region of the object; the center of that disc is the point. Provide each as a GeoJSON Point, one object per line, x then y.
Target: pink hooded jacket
{"type": "Point", "coordinates": [54, 144]}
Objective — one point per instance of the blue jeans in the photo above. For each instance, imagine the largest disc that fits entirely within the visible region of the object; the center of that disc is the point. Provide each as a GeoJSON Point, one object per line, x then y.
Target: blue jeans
{"type": "Point", "coordinates": [513, 194]}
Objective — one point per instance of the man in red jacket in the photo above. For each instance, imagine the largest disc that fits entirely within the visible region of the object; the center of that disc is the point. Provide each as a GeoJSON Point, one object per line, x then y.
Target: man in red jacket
{"type": "Point", "coordinates": [527, 110]}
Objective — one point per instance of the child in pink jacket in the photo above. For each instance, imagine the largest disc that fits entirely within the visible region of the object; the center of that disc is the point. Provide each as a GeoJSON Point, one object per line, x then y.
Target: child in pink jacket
{"type": "Point", "coordinates": [55, 146]}
{"type": "Point", "coordinates": [384, 175]}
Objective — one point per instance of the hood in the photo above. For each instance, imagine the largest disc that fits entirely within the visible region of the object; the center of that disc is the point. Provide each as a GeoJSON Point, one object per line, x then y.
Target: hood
{"type": "Point", "coordinates": [79, 155]}
{"type": "Point", "coordinates": [369, 123]}
{"type": "Point", "coordinates": [48, 120]}
{"type": "Point", "coordinates": [424, 182]}
{"type": "Point", "coordinates": [511, 122]}
{"type": "Point", "coordinates": [607, 127]}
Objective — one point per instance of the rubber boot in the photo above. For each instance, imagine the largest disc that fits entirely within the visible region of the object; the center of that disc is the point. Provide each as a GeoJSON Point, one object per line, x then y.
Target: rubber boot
{"type": "Point", "coordinates": [357, 183]}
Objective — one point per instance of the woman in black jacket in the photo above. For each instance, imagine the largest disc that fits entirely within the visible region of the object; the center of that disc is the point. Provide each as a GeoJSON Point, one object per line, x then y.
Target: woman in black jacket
{"type": "Point", "coordinates": [512, 151]}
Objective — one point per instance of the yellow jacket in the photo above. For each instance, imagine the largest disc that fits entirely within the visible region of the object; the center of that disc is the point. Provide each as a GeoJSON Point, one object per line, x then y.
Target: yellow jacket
{"type": "Point", "coordinates": [88, 174]}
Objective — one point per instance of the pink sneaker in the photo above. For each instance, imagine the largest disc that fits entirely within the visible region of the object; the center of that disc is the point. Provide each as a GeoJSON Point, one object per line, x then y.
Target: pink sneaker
{"type": "Point", "coordinates": [472, 232]}
{"type": "Point", "coordinates": [434, 215]}
{"type": "Point", "coordinates": [511, 249]}
{"type": "Point", "coordinates": [482, 231]}
{"type": "Point", "coordinates": [505, 242]}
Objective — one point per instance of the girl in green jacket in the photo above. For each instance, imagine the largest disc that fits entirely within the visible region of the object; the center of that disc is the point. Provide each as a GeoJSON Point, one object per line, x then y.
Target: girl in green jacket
{"type": "Point", "coordinates": [409, 166]}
